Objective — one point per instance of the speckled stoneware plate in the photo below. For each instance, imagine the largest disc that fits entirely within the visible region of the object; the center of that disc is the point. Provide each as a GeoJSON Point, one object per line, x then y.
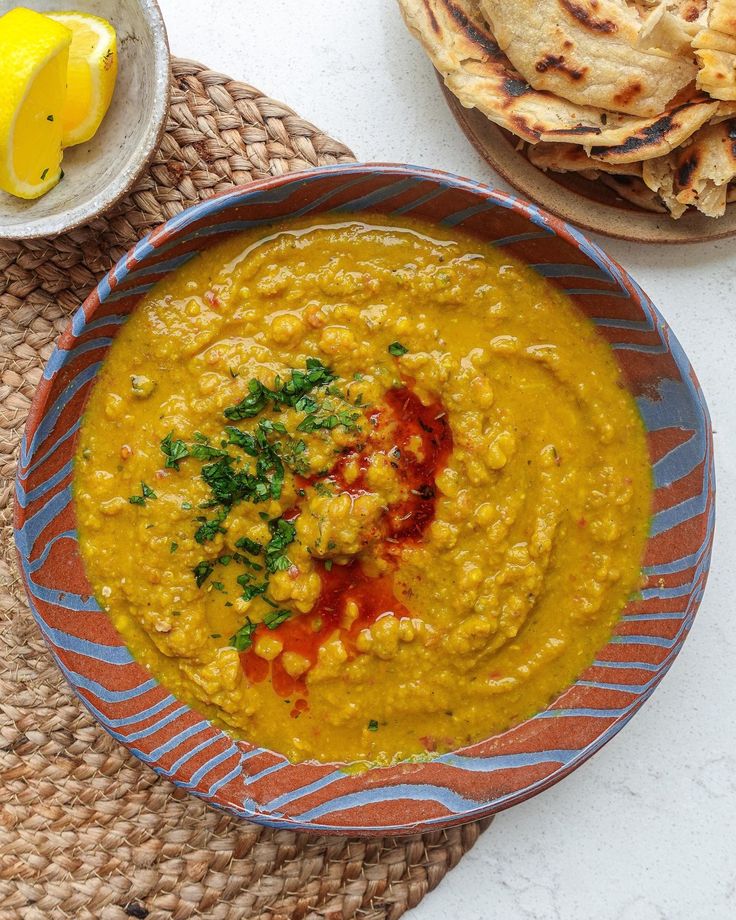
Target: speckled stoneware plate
{"type": "Point", "coordinates": [100, 172]}
{"type": "Point", "coordinates": [470, 783]}
{"type": "Point", "coordinates": [590, 205]}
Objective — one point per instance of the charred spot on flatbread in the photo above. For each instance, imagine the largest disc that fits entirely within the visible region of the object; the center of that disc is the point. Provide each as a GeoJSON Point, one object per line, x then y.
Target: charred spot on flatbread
{"type": "Point", "coordinates": [432, 18]}
{"type": "Point", "coordinates": [691, 11]}
{"type": "Point", "coordinates": [660, 136]}
{"type": "Point", "coordinates": [686, 168]}
{"type": "Point", "coordinates": [585, 18]}
{"type": "Point", "coordinates": [627, 95]}
{"type": "Point", "coordinates": [557, 62]}
{"type": "Point", "coordinates": [515, 88]}
{"type": "Point", "coordinates": [476, 35]}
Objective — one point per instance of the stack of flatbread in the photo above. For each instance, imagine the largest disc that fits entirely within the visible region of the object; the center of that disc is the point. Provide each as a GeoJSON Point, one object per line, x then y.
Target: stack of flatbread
{"type": "Point", "coordinates": [639, 94]}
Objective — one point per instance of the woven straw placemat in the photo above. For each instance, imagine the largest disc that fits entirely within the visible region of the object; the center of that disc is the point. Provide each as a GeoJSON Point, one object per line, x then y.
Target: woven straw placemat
{"type": "Point", "coordinates": [86, 830]}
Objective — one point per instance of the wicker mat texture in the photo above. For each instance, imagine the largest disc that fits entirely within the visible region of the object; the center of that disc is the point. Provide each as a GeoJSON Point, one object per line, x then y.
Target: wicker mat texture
{"type": "Point", "coordinates": [86, 830]}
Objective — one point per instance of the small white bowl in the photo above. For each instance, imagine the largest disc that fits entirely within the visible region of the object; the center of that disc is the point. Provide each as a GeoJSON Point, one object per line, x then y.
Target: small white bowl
{"type": "Point", "coordinates": [98, 173]}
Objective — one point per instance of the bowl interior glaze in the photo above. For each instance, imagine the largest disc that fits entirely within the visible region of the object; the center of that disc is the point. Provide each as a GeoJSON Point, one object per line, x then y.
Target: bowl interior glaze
{"type": "Point", "coordinates": [98, 173]}
{"type": "Point", "coordinates": [470, 783]}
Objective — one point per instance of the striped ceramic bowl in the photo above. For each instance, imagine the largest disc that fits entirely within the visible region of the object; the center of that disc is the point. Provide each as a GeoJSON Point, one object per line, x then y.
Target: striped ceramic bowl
{"type": "Point", "coordinates": [470, 783]}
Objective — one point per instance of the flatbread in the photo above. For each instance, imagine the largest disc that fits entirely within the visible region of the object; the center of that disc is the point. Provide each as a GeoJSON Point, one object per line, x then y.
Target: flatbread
{"type": "Point", "coordinates": [592, 52]}
{"type": "Point", "coordinates": [464, 51]}
{"type": "Point", "coordinates": [659, 136]}
{"type": "Point", "coordinates": [715, 50]}
{"type": "Point", "coordinates": [571, 158]}
{"type": "Point", "coordinates": [697, 175]}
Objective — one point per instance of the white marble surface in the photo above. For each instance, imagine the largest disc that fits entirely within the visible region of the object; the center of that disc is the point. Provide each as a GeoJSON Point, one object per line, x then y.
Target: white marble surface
{"type": "Point", "coordinates": [647, 829]}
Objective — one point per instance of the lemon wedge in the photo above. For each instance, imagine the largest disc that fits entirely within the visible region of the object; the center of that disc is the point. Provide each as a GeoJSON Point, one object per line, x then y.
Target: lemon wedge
{"type": "Point", "coordinates": [93, 69]}
{"type": "Point", "coordinates": [33, 61]}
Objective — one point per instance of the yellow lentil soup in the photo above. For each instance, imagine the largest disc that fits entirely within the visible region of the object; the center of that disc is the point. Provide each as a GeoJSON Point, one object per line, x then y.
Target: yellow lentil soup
{"type": "Point", "coordinates": [361, 492]}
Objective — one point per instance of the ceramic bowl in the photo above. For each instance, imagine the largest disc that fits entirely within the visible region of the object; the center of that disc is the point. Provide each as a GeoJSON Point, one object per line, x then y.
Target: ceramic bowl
{"type": "Point", "coordinates": [100, 172]}
{"type": "Point", "coordinates": [476, 781]}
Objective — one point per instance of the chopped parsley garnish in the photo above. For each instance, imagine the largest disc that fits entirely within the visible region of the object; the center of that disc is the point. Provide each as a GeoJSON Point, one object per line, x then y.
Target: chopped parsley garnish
{"type": "Point", "coordinates": [174, 547]}
{"type": "Point", "coordinates": [274, 618]}
{"type": "Point", "coordinates": [250, 546]}
{"type": "Point", "coordinates": [284, 393]}
{"type": "Point", "coordinates": [173, 450]}
{"type": "Point", "coordinates": [373, 725]}
{"type": "Point", "coordinates": [258, 477]}
{"type": "Point", "coordinates": [243, 638]}
{"type": "Point", "coordinates": [202, 571]}
{"type": "Point", "coordinates": [313, 421]}
{"type": "Point", "coordinates": [397, 349]}
{"type": "Point", "coordinates": [146, 493]}
{"type": "Point", "coordinates": [203, 451]}
{"type": "Point", "coordinates": [251, 591]}
{"type": "Point", "coordinates": [218, 585]}
{"type": "Point", "coordinates": [283, 534]}
{"type": "Point", "coordinates": [208, 529]}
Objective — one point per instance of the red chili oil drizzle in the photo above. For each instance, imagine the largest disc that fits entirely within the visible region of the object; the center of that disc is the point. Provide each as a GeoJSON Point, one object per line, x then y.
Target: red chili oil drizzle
{"type": "Point", "coordinates": [403, 418]}
{"type": "Point", "coordinates": [305, 634]}
{"type": "Point", "coordinates": [394, 425]}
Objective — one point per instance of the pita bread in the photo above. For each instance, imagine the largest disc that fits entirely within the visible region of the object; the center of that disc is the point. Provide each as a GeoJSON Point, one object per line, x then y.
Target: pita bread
{"type": "Point", "coordinates": [697, 175]}
{"type": "Point", "coordinates": [589, 51]}
{"type": "Point", "coordinates": [464, 51]}
{"type": "Point", "coordinates": [571, 158]}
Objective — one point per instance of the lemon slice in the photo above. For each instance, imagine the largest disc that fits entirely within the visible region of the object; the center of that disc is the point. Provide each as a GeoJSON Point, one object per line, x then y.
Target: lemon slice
{"type": "Point", "coordinates": [93, 68]}
{"type": "Point", "coordinates": [33, 61]}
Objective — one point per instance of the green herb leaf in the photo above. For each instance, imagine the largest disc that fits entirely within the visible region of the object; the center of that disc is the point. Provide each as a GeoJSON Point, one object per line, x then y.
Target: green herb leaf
{"type": "Point", "coordinates": [250, 546]}
{"type": "Point", "coordinates": [208, 529]}
{"type": "Point", "coordinates": [373, 725]}
{"type": "Point", "coordinates": [274, 618]}
{"type": "Point", "coordinates": [174, 547]}
{"type": "Point", "coordinates": [146, 493]}
{"type": "Point", "coordinates": [243, 638]}
{"type": "Point", "coordinates": [202, 571]}
{"type": "Point", "coordinates": [284, 533]}
{"type": "Point", "coordinates": [173, 450]}
{"type": "Point", "coordinates": [202, 451]}
{"type": "Point", "coordinates": [397, 349]}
